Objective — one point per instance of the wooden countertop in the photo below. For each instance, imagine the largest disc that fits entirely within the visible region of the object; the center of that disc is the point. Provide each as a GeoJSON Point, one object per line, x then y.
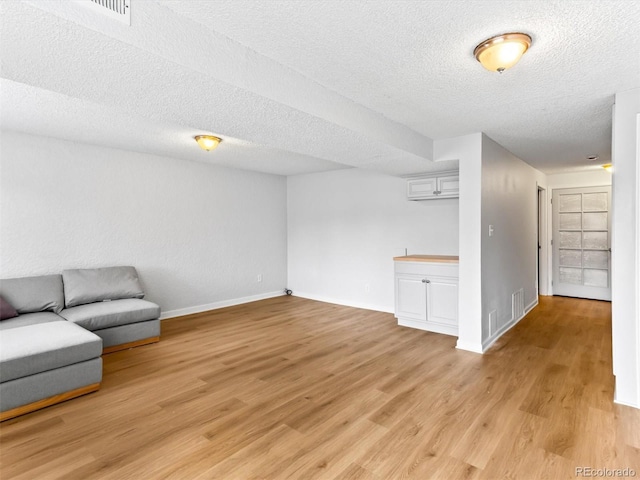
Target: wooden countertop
{"type": "Point", "coordinates": [428, 258]}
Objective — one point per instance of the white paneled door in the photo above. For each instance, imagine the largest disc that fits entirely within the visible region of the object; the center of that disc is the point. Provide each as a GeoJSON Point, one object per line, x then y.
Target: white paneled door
{"type": "Point", "coordinates": [581, 242]}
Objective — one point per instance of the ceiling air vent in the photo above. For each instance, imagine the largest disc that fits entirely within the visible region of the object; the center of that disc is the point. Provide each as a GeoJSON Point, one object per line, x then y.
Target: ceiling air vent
{"type": "Point", "coordinates": [116, 9]}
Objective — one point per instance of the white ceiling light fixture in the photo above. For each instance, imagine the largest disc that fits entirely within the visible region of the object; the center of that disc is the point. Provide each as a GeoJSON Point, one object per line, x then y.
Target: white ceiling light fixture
{"type": "Point", "coordinates": [207, 142]}
{"type": "Point", "coordinates": [498, 53]}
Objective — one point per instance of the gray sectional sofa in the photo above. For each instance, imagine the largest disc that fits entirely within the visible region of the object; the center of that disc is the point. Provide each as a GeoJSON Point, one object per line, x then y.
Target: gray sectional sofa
{"type": "Point", "coordinates": [50, 351]}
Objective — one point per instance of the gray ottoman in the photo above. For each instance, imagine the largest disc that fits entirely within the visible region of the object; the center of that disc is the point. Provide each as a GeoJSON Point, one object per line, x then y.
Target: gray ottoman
{"type": "Point", "coordinates": [46, 363]}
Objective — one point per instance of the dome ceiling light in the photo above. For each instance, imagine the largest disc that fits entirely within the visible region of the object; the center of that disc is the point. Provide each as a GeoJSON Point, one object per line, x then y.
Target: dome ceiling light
{"type": "Point", "coordinates": [207, 142]}
{"type": "Point", "coordinates": [498, 53]}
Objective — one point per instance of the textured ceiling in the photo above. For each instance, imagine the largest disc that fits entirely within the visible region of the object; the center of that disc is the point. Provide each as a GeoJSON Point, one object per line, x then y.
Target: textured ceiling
{"type": "Point", "coordinates": [297, 87]}
{"type": "Point", "coordinates": [95, 124]}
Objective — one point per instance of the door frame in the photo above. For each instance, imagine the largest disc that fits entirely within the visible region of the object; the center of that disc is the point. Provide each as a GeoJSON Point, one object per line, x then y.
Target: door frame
{"type": "Point", "coordinates": [554, 251]}
{"type": "Point", "coordinates": [548, 237]}
{"type": "Point", "coordinates": [543, 281]}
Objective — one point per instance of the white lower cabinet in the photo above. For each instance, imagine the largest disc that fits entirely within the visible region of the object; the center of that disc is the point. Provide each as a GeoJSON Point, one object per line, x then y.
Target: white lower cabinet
{"type": "Point", "coordinates": [427, 296]}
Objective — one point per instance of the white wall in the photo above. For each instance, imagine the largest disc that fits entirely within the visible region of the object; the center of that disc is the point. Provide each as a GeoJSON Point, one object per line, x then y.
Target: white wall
{"type": "Point", "coordinates": [499, 189]}
{"type": "Point", "coordinates": [510, 255]}
{"type": "Point", "coordinates": [468, 151]}
{"type": "Point", "coordinates": [198, 234]}
{"type": "Point", "coordinates": [625, 254]}
{"type": "Point", "coordinates": [596, 177]}
{"type": "Point", "coordinates": [346, 226]}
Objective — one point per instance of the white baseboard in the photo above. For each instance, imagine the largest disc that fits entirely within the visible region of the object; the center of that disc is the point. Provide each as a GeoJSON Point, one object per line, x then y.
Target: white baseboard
{"type": "Point", "coordinates": [429, 326]}
{"type": "Point", "coordinates": [531, 306]}
{"type": "Point", "coordinates": [322, 298]}
{"type": "Point", "coordinates": [221, 304]}
{"type": "Point", "coordinates": [469, 347]}
{"type": "Point", "coordinates": [507, 326]}
{"type": "Point", "coordinates": [626, 404]}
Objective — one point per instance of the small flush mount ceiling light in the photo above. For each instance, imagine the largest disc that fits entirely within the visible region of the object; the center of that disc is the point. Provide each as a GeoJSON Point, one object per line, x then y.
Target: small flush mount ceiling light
{"type": "Point", "coordinates": [608, 167]}
{"type": "Point", "coordinates": [207, 142]}
{"type": "Point", "coordinates": [503, 51]}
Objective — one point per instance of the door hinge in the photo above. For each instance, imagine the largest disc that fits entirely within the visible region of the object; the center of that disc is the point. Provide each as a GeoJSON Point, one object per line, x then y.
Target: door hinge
{"type": "Point", "coordinates": [552, 283]}
{"type": "Point", "coordinates": [552, 241]}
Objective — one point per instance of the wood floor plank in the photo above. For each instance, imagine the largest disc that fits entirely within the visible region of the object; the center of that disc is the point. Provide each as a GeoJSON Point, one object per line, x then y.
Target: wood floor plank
{"type": "Point", "coordinates": [255, 457]}
{"type": "Point", "coordinates": [543, 398]}
{"type": "Point", "coordinates": [517, 456]}
{"type": "Point", "coordinates": [355, 472]}
{"type": "Point", "coordinates": [329, 458]}
{"type": "Point", "coordinates": [62, 466]}
{"type": "Point", "coordinates": [293, 388]}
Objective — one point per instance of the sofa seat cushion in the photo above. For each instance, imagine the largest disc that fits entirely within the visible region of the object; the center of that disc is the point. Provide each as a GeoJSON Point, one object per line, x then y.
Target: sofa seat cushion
{"type": "Point", "coordinates": [46, 346]}
{"type": "Point", "coordinates": [96, 316]}
{"type": "Point", "coordinates": [30, 319]}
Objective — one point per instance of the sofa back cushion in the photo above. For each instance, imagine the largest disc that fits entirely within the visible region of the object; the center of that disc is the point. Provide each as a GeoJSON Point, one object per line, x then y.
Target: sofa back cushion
{"type": "Point", "coordinates": [34, 294]}
{"type": "Point", "coordinates": [91, 285]}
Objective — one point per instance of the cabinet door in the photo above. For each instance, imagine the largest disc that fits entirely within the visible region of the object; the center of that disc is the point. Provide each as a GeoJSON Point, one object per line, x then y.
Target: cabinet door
{"type": "Point", "coordinates": [411, 297]}
{"type": "Point", "coordinates": [419, 188]}
{"type": "Point", "coordinates": [449, 186]}
{"type": "Point", "coordinates": [442, 300]}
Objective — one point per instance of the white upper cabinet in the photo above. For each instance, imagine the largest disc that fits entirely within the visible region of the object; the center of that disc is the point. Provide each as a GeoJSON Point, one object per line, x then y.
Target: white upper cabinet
{"type": "Point", "coordinates": [428, 187]}
{"type": "Point", "coordinates": [422, 188]}
{"type": "Point", "coordinates": [449, 186]}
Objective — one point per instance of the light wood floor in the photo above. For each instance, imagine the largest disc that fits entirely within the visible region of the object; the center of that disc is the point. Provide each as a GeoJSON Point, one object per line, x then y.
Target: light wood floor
{"type": "Point", "coordinates": [292, 388]}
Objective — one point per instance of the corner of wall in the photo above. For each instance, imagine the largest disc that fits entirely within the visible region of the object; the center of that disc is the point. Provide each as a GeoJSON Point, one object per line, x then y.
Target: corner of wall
{"type": "Point", "coordinates": [468, 150]}
{"type": "Point", "coordinates": [625, 271]}
{"type": "Point", "coordinates": [470, 346]}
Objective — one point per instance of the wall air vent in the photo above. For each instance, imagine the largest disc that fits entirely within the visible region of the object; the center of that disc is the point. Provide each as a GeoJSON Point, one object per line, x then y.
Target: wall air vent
{"type": "Point", "coordinates": [517, 304]}
{"type": "Point", "coordinates": [117, 9]}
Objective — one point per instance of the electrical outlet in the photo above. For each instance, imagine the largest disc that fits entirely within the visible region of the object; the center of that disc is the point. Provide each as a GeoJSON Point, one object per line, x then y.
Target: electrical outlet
{"type": "Point", "coordinates": [259, 279]}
